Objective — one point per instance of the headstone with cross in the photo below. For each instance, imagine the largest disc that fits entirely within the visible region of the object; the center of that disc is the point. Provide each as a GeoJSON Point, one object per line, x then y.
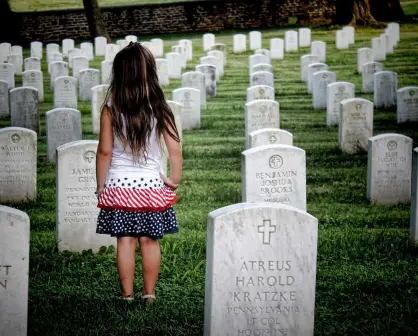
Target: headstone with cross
{"type": "Point", "coordinates": [336, 93]}
{"type": "Point", "coordinates": [35, 79]}
{"type": "Point", "coordinates": [195, 80]}
{"type": "Point", "coordinates": [274, 173]}
{"type": "Point", "coordinates": [312, 68]}
{"type": "Point", "coordinates": [189, 99]}
{"type": "Point", "coordinates": [369, 69]}
{"type": "Point", "coordinates": [407, 104]}
{"type": "Point", "coordinates": [24, 108]}
{"type": "Point", "coordinates": [389, 169]}
{"type": "Point", "coordinates": [76, 202]}
{"type": "Point", "coordinates": [320, 82]}
{"type": "Point", "coordinates": [88, 78]}
{"type": "Point", "coordinates": [65, 92]}
{"type": "Point", "coordinates": [270, 136]}
{"type": "Point", "coordinates": [260, 271]}
{"type": "Point", "coordinates": [385, 87]}
{"type": "Point", "coordinates": [209, 71]}
{"type": "Point", "coordinates": [319, 48]}
{"type": "Point", "coordinates": [260, 92]}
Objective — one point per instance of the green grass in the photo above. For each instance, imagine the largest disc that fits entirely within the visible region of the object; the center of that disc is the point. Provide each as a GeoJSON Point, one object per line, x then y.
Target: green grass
{"type": "Point", "coordinates": [367, 277]}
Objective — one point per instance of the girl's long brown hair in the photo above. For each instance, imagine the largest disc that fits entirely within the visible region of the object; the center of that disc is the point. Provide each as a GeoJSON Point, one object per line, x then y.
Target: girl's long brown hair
{"type": "Point", "coordinates": [136, 98]}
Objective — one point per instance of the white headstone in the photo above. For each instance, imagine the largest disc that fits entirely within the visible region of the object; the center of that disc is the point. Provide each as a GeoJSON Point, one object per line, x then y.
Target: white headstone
{"type": "Point", "coordinates": [88, 78]}
{"type": "Point", "coordinates": [407, 104]}
{"type": "Point", "coordinates": [34, 78]}
{"type": "Point", "coordinates": [100, 45]}
{"type": "Point", "coordinates": [276, 174]}
{"type": "Point", "coordinates": [270, 136]}
{"type": "Point", "coordinates": [177, 110]}
{"type": "Point", "coordinates": [264, 52]}
{"type": "Point", "coordinates": [255, 40]}
{"type": "Point", "coordinates": [350, 34]}
{"type": "Point", "coordinates": [87, 50]}
{"type": "Point", "coordinates": [188, 45]}
{"type": "Point", "coordinates": [32, 63]}
{"type": "Point", "coordinates": [257, 59]}
{"type": "Point", "coordinates": [65, 92]}
{"type": "Point", "coordinates": [210, 78]}
{"type": "Point", "coordinates": [162, 71]}
{"type": "Point", "coordinates": [106, 71]}
{"type": "Point", "coordinates": [336, 93]}
{"type": "Point", "coordinates": [312, 68]}
{"type": "Point", "coordinates": [260, 92]}
{"type": "Point", "coordinates": [131, 38]}
{"type": "Point", "coordinates": [4, 99]}
{"type": "Point", "coordinates": [304, 37]}
{"type": "Point", "coordinates": [389, 169]}
{"type": "Point", "coordinates": [261, 113]}
{"type": "Point", "coordinates": [75, 52]}
{"type": "Point", "coordinates": [17, 62]}
{"type": "Point", "coordinates": [212, 60]}
{"type": "Point", "coordinates": [14, 271]}
{"type": "Point", "coordinates": [63, 125]}
{"type": "Point", "coordinates": [306, 60]}
{"type": "Point", "coordinates": [379, 48]}
{"type": "Point", "coordinates": [122, 44]}
{"type": "Point", "coordinates": [369, 69]}
{"type": "Point", "coordinates": [58, 69]}
{"type": "Point", "coordinates": [356, 125]}
{"type": "Point", "coordinates": [17, 50]}
{"type": "Point", "coordinates": [17, 165]}
{"type": "Point", "coordinates": [385, 87]}
{"type": "Point", "coordinates": [76, 203]}
{"type": "Point", "coordinates": [99, 93]}
{"type": "Point", "coordinates": [319, 48]}
{"type": "Point", "coordinates": [7, 73]}
{"type": "Point", "coordinates": [276, 48]}
{"type": "Point", "coordinates": [414, 198]}
{"type": "Point", "coordinates": [239, 43]}
{"type": "Point", "coordinates": [262, 78]}
{"type": "Point", "coordinates": [220, 57]}
{"type": "Point", "coordinates": [79, 63]}
{"type": "Point", "coordinates": [36, 49]}
{"type": "Point", "coordinates": [195, 80]}
{"type": "Point", "coordinates": [262, 67]}
{"type": "Point", "coordinates": [111, 51]}
{"type": "Point", "coordinates": [52, 47]}
{"type": "Point", "coordinates": [395, 28]}
{"type": "Point", "coordinates": [158, 47]}
{"type": "Point", "coordinates": [341, 39]}
{"type": "Point", "coordinates": [67, 45]}
{"type": "Point", "coordinates": [261, 271]}
{"type": "Point", "coordinates": [174, 61]}
{"type": "Point", "coordinates": [54, 57]}
{"type": "Point", "coordinates": [208, 41]}
{"type": "Point", "coordinates": [189, 99]}
{"type": "Point", "coordinates": [5, 50]}
{"type": "Point", "coordinates": [388, 44]}
{"type": "Point", "coordinates": [24, 108]}
{"type": "Point", "coordinates": [291, 40]}
{"type": "Point", "coordinates": [321, 79]}
{"type": "Point", "coordinates": [364, 56]}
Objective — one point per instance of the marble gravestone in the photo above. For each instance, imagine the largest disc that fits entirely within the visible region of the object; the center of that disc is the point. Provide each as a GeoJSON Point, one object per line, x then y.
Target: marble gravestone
{"type": "Point", "coordinates": [188, 45]}
{"type": "Point", "coordinates": [414, 198]}
{"type": "Point", "coordinates": [270, 136]}
{"type": "Point", "coordinates": [364, 56]}
{"type": "Point", "coordinates": [262, 78]}
{"type": "Point", "coordinates": [257, 59]}
{"type": "Point", "coordinates": [36, 49]}
{"type": "Point", "coordinates": [356, 125]}
{"type": "Point", "coordinates": [208, 41]}
{"type": "Point", "coordinates": [195, 80]}
{"type": "Point", "coordinates": [4, 99]}
{"type": "Point", "coordinates": [189, 99]}
{"type": "Point", "coordinates": [406, 100]}
{"type": "Point", "coordinates": [32, 63]}
{"type": "Point", "coordinates": [210, 78]}
{"type": "Point", "coordinates": [312, 68]}
{"type": "Point", "coordinates": [321, 80]}
{"type": "Point", "coordinates": [264, 52]}
{"type": "Point", "coordinates": [99, 93]}
{"type": "Point", "coordinates": [304, 37]}
{"type": "Point", "coordinates": [389, 169]}
{"type": "Point", "coordinates": [239, 43]}
{"type": "Point", "coordinates": [261, 113]}
{"type": "Point", "coordinates": [122, 43]}
{"type": "Point", "coordinates": [220, 47]}
{"type": "Point", "coordinates": [319, 48]}
{"type": "Point", "coordinates": [88, 50]}
{"type": "Point", "coordinates": [255, 40]}
{"type": "Point", "coordinates": [106, 71]}
{"type": "Point", "coordinates": [24, 108]}
{"type": "Point", "coordinates": [7, 73]}
{"type": "Point", "coordinates": [350, 34]}
{"type": "Point", "coordinates": [16, 49]}
{"type": "Point", "coordinates": [58, 69]}
{"type": "Point", "coordinates": [17, 164]}
{"type": "Point", "coordinates": [261, 67]}
{"type": "Point", "coordinates": [67, 45]}
{"type": "Point", "coordinates": [88, 78]}
{"type": "Point", "coordinates": [220, 57]}
{"type": "Point", "coordinates": [14, 271]}
{"type": "Point", "coordinates": [379, 49]}
{"type": "Point", "coordinates": [212, 61]}
{"type": "Point", "coordinates": [260, 271]}
{"type": "Point", "coordinates": [291, 40]}
{"type": "Point", "coordinates": [336, 93]}
{"type": "Point", "coordinates": [131, 38]}
{"type": "Point", "coordinates": [65, 92]}
{"type": "Point", "coordinates": [34, 78]}
{"type": "Point", "coordinates": [52, 47]}
{"type": "Point", "coordinates": [274, 173]}
{"type": "Point", "coordinates": [54, 57]}
{"type": "Point", "coordinates": [260, 92]}
{"type": "Point", "coordinates": [76, 214]}
{"type": "Point", "coordinates": [182, 52]}
{"type": "Point", "coordinates": [369, 69]}
{"type": "Point", "coordinates": [5, 50]}
{"type": "Point", "coordinates": [341, 39]}
{"type": "Point", "coordinates": [111, 51]}
{"type": "Point", "coordinates": [100, 45]}
{"type": "Point", "coordinates": [158, 47]}
{"type": "Point", "coordinates": [385, 87]}
{"type": "Point", "coordinates": [177, 110]}
{"type": "Point", "coordinates": [162, 71]}
{"type": "Point", "coordinates": [63, 125]}
{"type": "Point", "coordinates": [306, 60]}
{"type": "Point", "coordinates": [276, 48]}
{"type": "Point", "coordinates": [79, 63]}
{"type": "Point", "coordinates": [387, 43]}
{"type": "Point", "coordinates": [174, 65]}
{"type": "Point", "coordinates": [75, 52]}
{"type": "Point", "coordinates": [17, 62]}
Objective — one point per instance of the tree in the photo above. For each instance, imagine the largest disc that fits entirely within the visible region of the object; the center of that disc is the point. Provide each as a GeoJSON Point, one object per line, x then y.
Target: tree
{"type": "Point", "coordinates": [363, 12]}
{"type": "Point", "coordinates": [97, 26]}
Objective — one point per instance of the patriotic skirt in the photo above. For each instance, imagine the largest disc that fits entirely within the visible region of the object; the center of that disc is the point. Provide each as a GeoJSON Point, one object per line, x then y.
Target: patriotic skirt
{"type": "Point", "coordinates": [136, 207]}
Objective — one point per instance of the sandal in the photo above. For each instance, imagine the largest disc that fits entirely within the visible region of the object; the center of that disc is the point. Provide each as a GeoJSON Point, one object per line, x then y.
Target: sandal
{"type": "Point", "coordinates": [148, 299]}
{"type": "Point", "coordinates": [127, 298]}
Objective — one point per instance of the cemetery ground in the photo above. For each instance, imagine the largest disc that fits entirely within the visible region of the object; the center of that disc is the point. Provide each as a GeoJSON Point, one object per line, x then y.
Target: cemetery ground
{"type": "Point", "coordinates": [367, 276]}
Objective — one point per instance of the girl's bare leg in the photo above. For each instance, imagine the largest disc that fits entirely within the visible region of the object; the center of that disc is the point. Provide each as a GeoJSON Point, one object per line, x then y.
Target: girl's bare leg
{"type": "Point", "coordinates": [126, 264]}
{"type": "Point", "coordinates": [151, 259]}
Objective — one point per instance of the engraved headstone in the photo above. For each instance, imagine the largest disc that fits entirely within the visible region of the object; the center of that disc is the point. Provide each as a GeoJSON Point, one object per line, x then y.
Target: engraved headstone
{"type": "Point", "coordinates": [369, 69]}
{"type": "Point", "coordinates": [304, 37]}
{"type": "Point", "coordinates": [189, 99]}
{"type": "Point", "coordinates": [356, 125]}
{"type": "Point", "coordinates": [52, 47]}
{"type": "Point", "coordinates": [239, 43]}
{"type": "Point", "coordinates": [58, 69]}
{"type": "Point", "coordinates": [208, 41]}
{"type": "Point", "coordinates": [87, 50]}
{"type": "Point", "coordinates": [262, 78]}
{"type": "Point", "coordinates": [158, 47]}
{"type": "Point", "coordinates": [264, 52]}
{"type": "Point", "coordinates": [54, 57]}
{"type": "Point", "coordinates": [162, 71]}
{"type": "Point", "coordinates": [76, 203]}
{"type": "Point", "coordinates": [32, 63]}
{"type": "Point", "coordinates": [34, 78]}
{"type": "Point", "coordinates": [276, 48]}
{"type": "Point", "coordinates": [321, 79]}
{"type": "Point", "coordinates": [106, 71]}
{"type": "Point", "coordinates": [407, 104]}
{"type": "Point", "coordinates": [5, 50]}
{"type": "Point", "coordinates": [99, 93]}
{"type": "Point", "coordinates": [111, 51]}
{"type": "Point", "coordinates": [341, 39]}
{"type": "Point", "coordinates": [79, 63]}
{"type": "Point", "coordinates": [75, 52]}
{"type": "Point", "coordinates": [182, 51]}
{"type": "Point", "coordinates": [260, 92]}
{"type": "Point", "coordinates": [312, 68]}
{"type": "Point", "coordinates": [17, 62]}
{"type": "Point", "coordinates": [257, 59]}
{"type": "Point", "coordinates": [220, 47]}
{"type": "Point", "coordinates": [385, 87]}
{"type": "Point", "coordinates": [63, 125]}
{"type": "Point", "coordinates": [100, 45]}
{"type": "Point", "coordinates": [14, 271]}
{"type": "Point", "coordinates": [210, 78]}
{"type": "Point", "coordinates": [261, 113]}
{"type": "Point", "coordinates": [336, 93]}
{"type": "Point", "coordinates": [4, 99]}
{"type": "Point", "coordinates": [195, 80]}
{"type": "Point", "coordinates": [319, 48]}
{"type": "Point", "coordinates": [350, 34]}
{"type": "Point", "coordinates": [291, 40]}
{"type": "Point", "coordinates": [88, 79]}
{"type": "Point", "coordinates": [262, 67]}
{"type": "Point", "coordinates": [24, 108]}
{"type": "Point", "coordinates": [220, 57]}
{"type": "Point", "coordinates": [274, 173]}
{"type": "Point", "coordinates": [36, 49]}
{"type": "Point", "coordinates": [261, 271]}
{"type": "Point", "coordinates": [212, 60]}
{"type": "Point", "coordinates": [255, 40]}
{"type": "Point", "coordinates": [7, 73]}
{"type": "Point", "coordinates": [65, 92]}
{"type": "Point", "coordinates": [414, 198]}
{"type": "Point", "coordinates": [270, 136]}
{"type": "Point", "coordinates": [17, 165]}
{"type": "Point", "coordinates": [177, 110]}
{"type": "Point", "coordinates": [364, 56]}
{"type": "Point", "coordinates": [306, 60]}
{"type": "Point", "coordinates": [188, 45]}
{"type": "Point", "coordinates": [379, 48]}
{"type": "Point", "coordinates": [389, 169]}
{"type": "Point", "coordinates": [174, 61]}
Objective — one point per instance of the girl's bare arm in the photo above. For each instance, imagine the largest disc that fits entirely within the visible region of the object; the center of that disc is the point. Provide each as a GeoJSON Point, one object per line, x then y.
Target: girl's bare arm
{"type": "Point", "coordinates": [104, 150]}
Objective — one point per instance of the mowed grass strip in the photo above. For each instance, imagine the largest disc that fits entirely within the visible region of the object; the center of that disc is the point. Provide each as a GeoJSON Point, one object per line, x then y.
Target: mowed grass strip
{"type": "Point", "coordinates": [367, 280]}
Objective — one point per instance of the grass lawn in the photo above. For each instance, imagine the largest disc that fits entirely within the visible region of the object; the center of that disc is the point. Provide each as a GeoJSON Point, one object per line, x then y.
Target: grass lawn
{"type": "Point", "coordinates": [367, 279]}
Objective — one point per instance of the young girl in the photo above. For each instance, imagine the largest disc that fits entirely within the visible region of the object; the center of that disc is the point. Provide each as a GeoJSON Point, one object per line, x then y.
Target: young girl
{"type": "Point", "coordinates": [135, 197]}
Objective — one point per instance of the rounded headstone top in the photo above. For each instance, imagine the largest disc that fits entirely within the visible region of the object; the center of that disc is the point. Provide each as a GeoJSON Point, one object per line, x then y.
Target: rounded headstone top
{"type": "Point", "coordinates": [271, 147]}
{"type": "Point", "coordinates": [262, 101]}
{"type": "Point", "coordinates": [356, 100]}
{"type": "Point", "coordinates": [15, 212]}
{"type": "Point", "coordinates": [22, 88]}
{"type": "Point", "coordinates": [267, 130]}
{"type": "Point", "coordinates": [78, 143]}
{"type": "Point", "coordinates": [391, 135]}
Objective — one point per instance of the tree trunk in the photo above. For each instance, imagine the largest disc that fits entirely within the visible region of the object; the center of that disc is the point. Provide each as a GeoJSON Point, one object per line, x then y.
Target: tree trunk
{"type": "Point", "coordinates": [9, 31]}
{"type": "Point", "coordinates": [387, 10]}
{"type": "Point", "coordinates": [97, 26]}
{"type": "Point", "coordinates": [362, 14]}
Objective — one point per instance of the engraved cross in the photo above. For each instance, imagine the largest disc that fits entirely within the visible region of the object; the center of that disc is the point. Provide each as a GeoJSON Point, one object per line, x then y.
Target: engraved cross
{"type": "Point", "coordinates": [266, 229]}
{"type": "Point", "coordinates": [15, 138]}
{"type": "Point", "coordinates": [89, 156]}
